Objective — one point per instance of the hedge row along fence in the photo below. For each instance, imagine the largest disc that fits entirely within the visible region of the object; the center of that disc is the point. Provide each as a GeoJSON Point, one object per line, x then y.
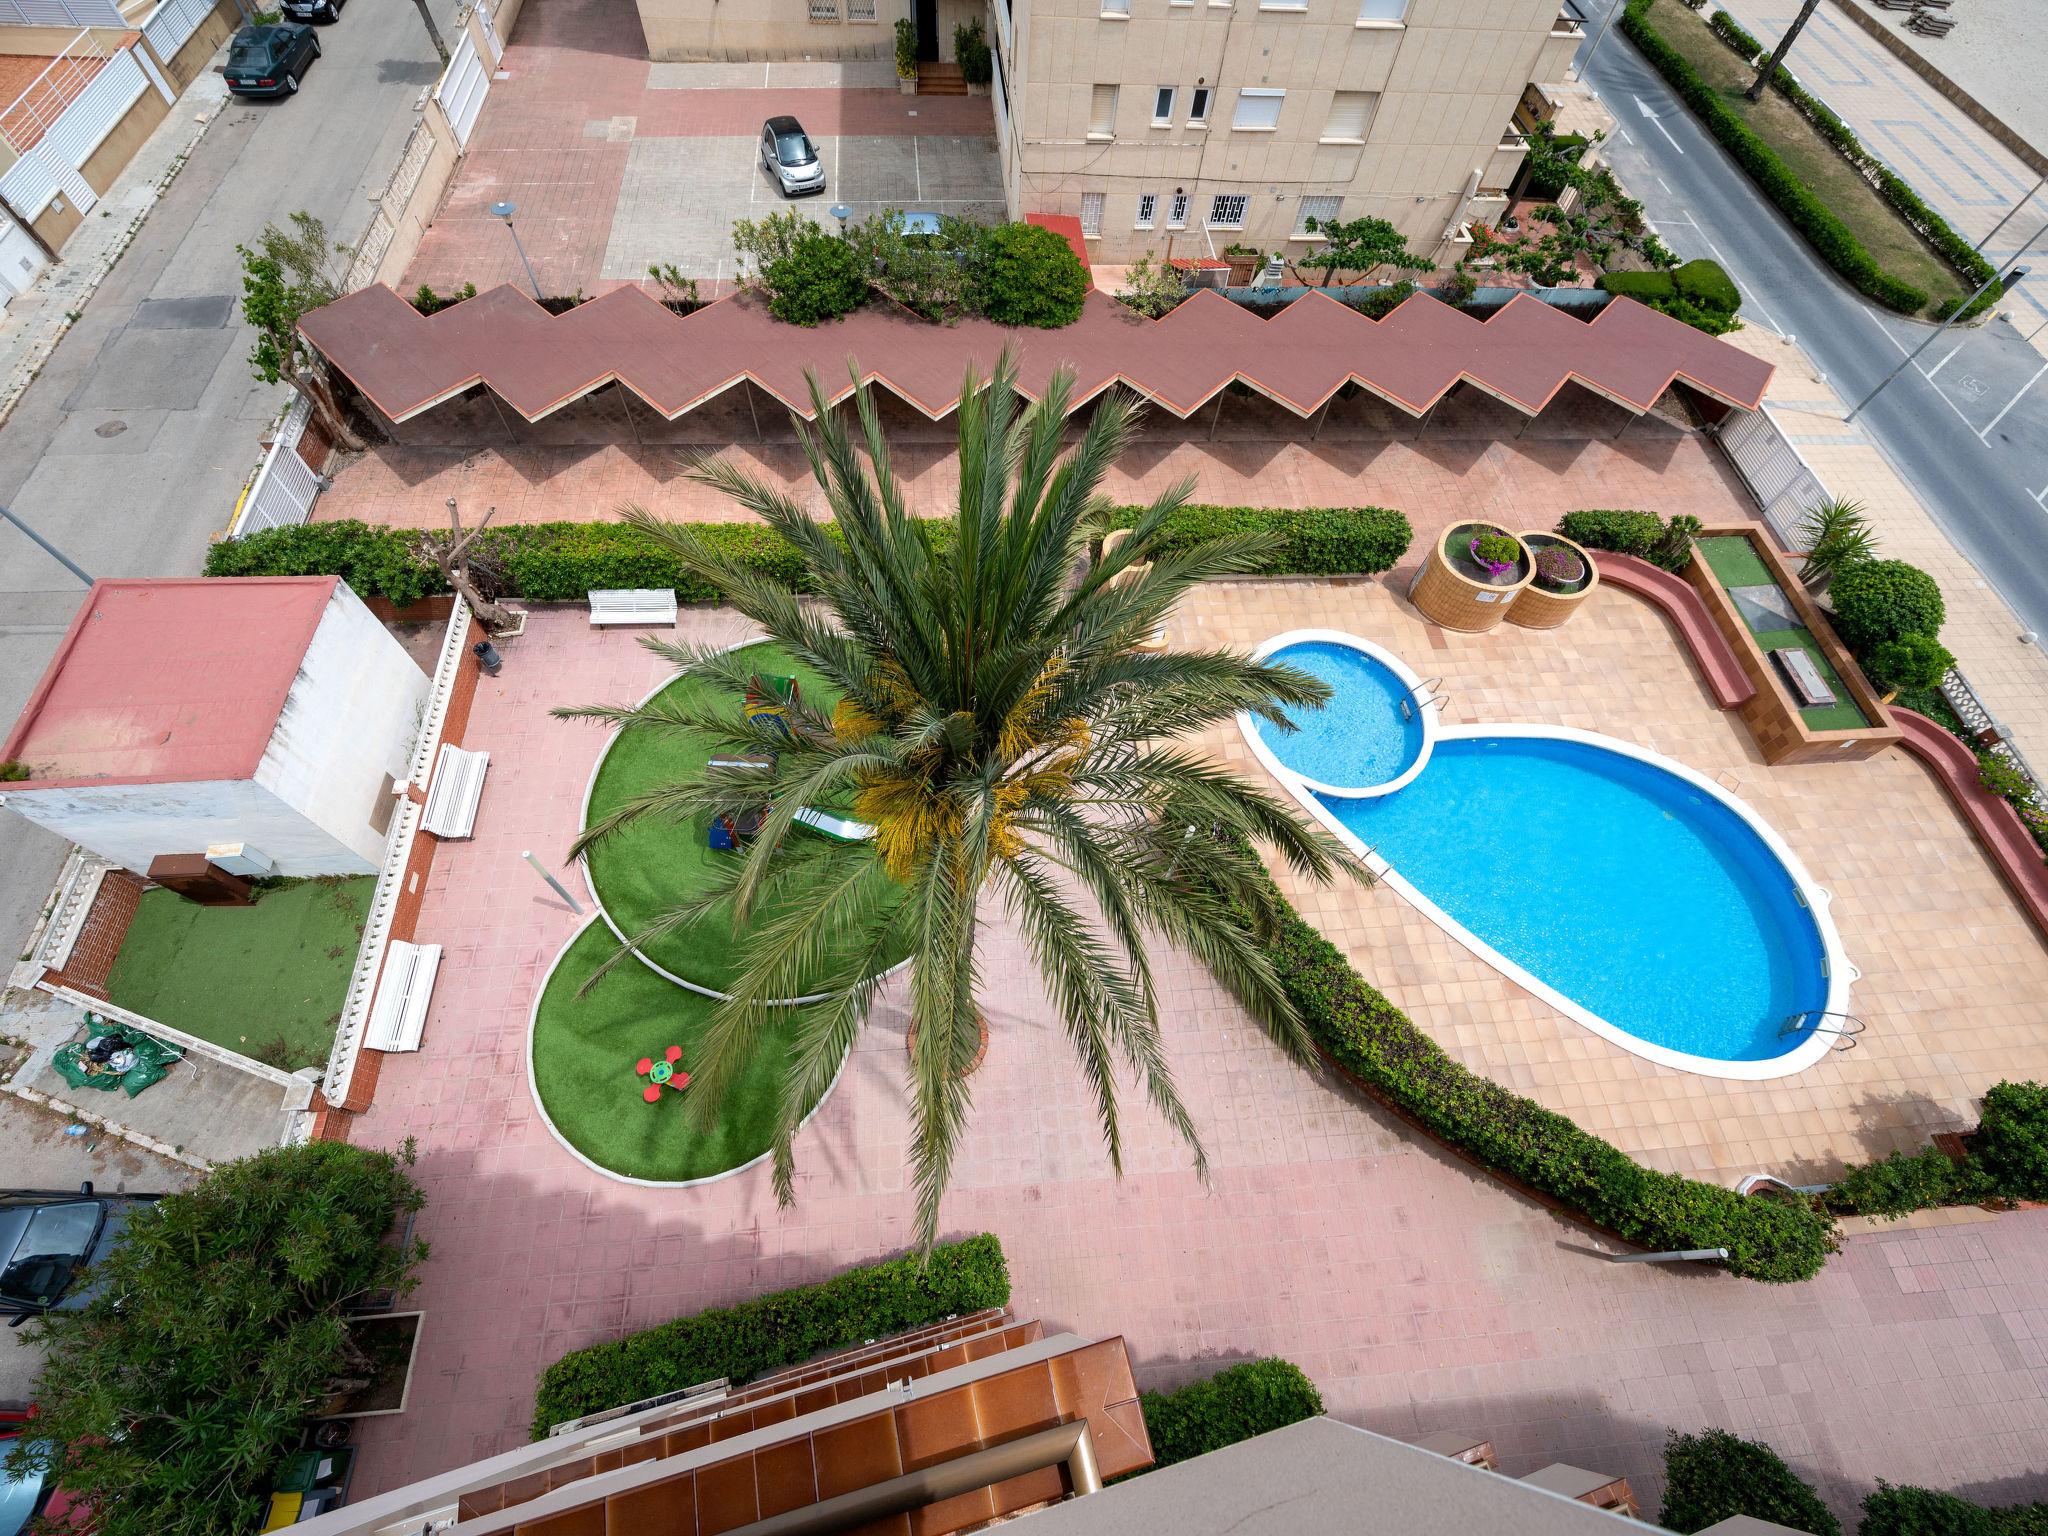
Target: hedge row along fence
{"type": "Point", "coordinates": [1926, 223]}
{"type": "Point", "coordinates": [563, 562]}
{"type": "Point", "coordinates": [1377, 1045]}
{"type": "Point", "coordinates": [1836, 243]}
{"type": "Point", "coordinates": [771, 1332]}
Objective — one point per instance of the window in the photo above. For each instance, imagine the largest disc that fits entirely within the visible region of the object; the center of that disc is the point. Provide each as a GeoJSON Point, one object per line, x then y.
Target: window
{"type": "Point", "coordinates": [824, 10]}
{"type": "Point", "coordinates": [1350, 116]}
{"type": "Point", "coordinates": [1258, 111]}
{"type": "Point", "coordinates": [1198, 107]}
{"type": "Point", "coordinates": [1091, 213]}
{"type": "Point", "coordinates": [1102, 112]}
{"type": "Point", "coordinates": [1177, 212]}
{"type": "Point", "coordinates": [1148, 208]}
{"type": "Point", "coordinates": [1323, 210]}
{"type": "Point", "coordinates": [1226, 210]}
{"type": "Point", "coordinates": [1382, 12]}
{"type": "Point", "coordinates": [1162, 107]}
{"type": "Point", "coordinates": [860, 10]}
{"type": "Point", "coordinates": [1116, 7]}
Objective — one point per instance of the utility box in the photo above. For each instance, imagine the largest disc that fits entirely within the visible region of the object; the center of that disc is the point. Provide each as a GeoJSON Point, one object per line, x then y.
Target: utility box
{"type": "Point", "coordinates": [192, 877]}
{"type": "Point", "coordinates": [241, 859]}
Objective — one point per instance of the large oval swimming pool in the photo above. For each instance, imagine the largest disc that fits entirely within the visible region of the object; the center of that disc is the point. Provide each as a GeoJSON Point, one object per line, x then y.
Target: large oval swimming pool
{"type": "Point", "coordinates": [1635, 895]}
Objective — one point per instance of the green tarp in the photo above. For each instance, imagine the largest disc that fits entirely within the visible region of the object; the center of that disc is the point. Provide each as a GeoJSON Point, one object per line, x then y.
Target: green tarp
{"type": "Point", "coordinates": [89, 1064]}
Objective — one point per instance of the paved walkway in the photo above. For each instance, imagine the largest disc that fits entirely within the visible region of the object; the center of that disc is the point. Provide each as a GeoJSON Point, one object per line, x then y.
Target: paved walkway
{"type": "Point", "coordinates": [1418, 1296]}
{"type": "Point", "coordinates": [1962, 171]}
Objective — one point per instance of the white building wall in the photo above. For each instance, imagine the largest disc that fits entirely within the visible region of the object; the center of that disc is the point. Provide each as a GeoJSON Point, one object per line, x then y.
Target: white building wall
{"type": "Point", "coordinates": [349, 721]}
{"type": "Point", "coordinates": [134, 823]}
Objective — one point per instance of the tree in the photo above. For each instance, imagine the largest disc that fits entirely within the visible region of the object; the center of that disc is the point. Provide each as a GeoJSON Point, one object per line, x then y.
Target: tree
{"type": "Point", "coordinates": [1770, 68]}
{"type": "Point", "coordinates": [920, 272]}
{"type": "Point", "coordinates": [433, 32]}
{"type": "Point", "coordinates": [1603, 226]}
{"type": "Point", "coordinates": [1153, 289]}
{"type": "Point", "coordinates": [1361, 246]}
{"type": "Point", "coordinates": [453, 554]}
{"type": "Point", "coordinates": [1005, 737]}
{"type": "Point", "coordinates": [1714, 1475]}
{"type": "Point", "coordinates": [218, 1325]}
{"type": "Point", "coordinates": [290, 273]}
{"type": "Point", "coordinates": [1026, 274]}
{"type": "Point", "coordinates": [1836, 535]}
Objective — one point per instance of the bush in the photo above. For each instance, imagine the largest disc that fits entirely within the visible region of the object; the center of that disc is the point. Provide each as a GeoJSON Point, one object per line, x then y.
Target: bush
{"type": "Point", "coordinates": [1880, 600]}
{"type": "Point", "coordinates": [374, 561]}
{"type": "Point", "coordinates": [1714, 1475]}
{"type": "Point", "coordinates": [428, 302]}
{"type": "Point", "coordinates": [820, 279]}
{"type": "Point", "coordinates": [906, 49]}
{"type": "Point", "coordinates": [1497, 548]}
{"type": "Point", "coordinates": [1026, 274]}
{"type": "Point", "coordinates": [2012, 1141]}
{"type": "Point", "coordinates": [1650, 287]}
{"type": "Point", "coordinates": [1315, 541]}
{"type": "Point", "coordinates": [970, 50]}
{"type": "Point", "coordinates": [1911, 661]}
{"type": "Point", "coordinates": [220, 1326]}
{"type": "Point", "coordinates": [2003, 778]}
{"type": "Point", "coordinates": [783, 1328]}
{"type": "Point", "coordinates": [1382, 302]}
{"type": "Point", "coordinates": [1900, 1511]}
{"type": "Point", "coordinates": [1642, 534]}
{"type": "Point", "coordinates": [1705, 283]}
{"type": "Point", "coordinates": [1376, 1044]}
{"type": "Point", "coordinates": [1235, 1404]}
{"type": "Point", "coordinates": [1905, 1182]}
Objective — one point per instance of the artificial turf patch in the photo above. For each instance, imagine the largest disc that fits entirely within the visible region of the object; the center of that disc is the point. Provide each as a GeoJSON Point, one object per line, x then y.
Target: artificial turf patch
{"type": "Point", "coordinates": [267, 980]}
{"type": "Point", "coordinates": [585, 1049]}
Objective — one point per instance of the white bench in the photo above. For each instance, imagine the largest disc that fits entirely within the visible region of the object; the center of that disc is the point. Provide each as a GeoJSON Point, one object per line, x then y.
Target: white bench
{"type": "Point", "coordinates": [842, 828]}
{"type": "Point", "coordinates": [452, 797]}
{"type": "Point", "coordinates": [399, 1015]}
{"type": "Point", "coordinates": [642, 605]}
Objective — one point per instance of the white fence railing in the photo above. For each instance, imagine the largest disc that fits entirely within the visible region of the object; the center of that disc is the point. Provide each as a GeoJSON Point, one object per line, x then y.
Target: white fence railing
{"type": "Point", "coordinates": [405, 826]}
{"type": "Point", "coordinates": [61, 13]}
{"type": "Point", "coordinates": [285, 487]}
{"type": "Point", "coordinates": [170, 26]}
{"type": "Point", "coordinates": [463, 86]}
{"type": "Point", "coordinates": [65, 114]}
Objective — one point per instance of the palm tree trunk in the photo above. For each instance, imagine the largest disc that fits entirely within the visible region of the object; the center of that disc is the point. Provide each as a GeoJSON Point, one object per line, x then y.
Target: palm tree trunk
{"type": "Point", "coordinates": [1763, 76]}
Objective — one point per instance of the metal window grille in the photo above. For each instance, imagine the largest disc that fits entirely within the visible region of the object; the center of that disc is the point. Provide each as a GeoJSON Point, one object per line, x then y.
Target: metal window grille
{"type": "Point", "coordinates": [1226, 210]}
{"type": "Point", "coordinates": [1323, 210]}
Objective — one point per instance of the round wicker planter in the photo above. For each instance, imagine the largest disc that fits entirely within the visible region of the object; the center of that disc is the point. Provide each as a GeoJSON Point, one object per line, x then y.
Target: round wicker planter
{"type": "Point", "coordinates": [1448, 596]}
{"type": "Point", "coordinates": [1540, 608]}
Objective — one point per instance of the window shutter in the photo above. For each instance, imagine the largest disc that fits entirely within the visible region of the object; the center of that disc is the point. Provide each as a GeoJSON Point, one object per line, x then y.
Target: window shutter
{"type": "Point", "coordinates": [1258, 109]}
{"type": "Point", "coordinates": [1350, 115]}
{"type": "Point", "coordinates": [1102, 110]}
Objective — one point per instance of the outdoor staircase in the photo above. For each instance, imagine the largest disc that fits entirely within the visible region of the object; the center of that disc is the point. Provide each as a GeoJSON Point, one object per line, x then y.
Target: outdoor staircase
{"type": "Point", "coordinates": [939, 79]}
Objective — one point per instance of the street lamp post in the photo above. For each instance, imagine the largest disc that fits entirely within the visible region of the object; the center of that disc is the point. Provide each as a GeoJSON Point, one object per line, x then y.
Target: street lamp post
{"type": "Point", "coordinates": [504, 211]}
{"type": "Point", "coordinates": [1579, 72]}
{"type": "Point", "coordinates": [2010, 276]}
{"type": "Point", "coordinates": [47, 547]}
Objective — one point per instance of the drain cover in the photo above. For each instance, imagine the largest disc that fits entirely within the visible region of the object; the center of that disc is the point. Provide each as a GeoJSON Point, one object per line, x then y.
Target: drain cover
{"type": "Point", "coordinates": [110, 429]}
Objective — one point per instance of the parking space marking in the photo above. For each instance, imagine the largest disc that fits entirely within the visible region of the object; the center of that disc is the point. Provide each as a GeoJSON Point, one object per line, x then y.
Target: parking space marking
{"type": "Point", "coordinates": [916, 168]}
{"type": "Point", "coordinates": [1985, 435]}
{"type": "Point", "coordinates": [1945, 361]}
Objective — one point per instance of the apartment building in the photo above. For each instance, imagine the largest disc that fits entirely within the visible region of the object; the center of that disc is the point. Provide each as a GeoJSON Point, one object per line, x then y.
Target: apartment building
{"type": "Point", "coordinates": [1202, 124]}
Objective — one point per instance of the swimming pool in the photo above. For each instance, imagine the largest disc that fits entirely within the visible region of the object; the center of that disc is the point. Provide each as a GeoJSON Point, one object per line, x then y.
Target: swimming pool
{"type": "Point", "coordinates": [1634, 895]}
{"type": "Point", "coordinates": [1378, 741]}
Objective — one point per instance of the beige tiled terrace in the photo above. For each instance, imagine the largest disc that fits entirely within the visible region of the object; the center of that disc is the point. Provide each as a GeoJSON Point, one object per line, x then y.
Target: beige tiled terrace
{"type": "Point", "coordinates": [1955, 980]}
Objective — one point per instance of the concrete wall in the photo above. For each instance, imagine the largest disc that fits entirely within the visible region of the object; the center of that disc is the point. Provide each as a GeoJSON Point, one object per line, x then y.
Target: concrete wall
{"type": "Point", "coordinates": [51, 41]}
{"type": "Point", "coordinates": [348, 724]}
{"type": "Point", "coordinates": [412, 198]}
{"type": "Point", "coordinates": [107, 162]}
{"type": "Point", "coordinates": [1447, 79]}
{"type": "Point", "coordinates": [770, 29]}
{"type": "Point", "coordinates": [133, 823]}
{"type": "Point", "coordinates": [56, 222]}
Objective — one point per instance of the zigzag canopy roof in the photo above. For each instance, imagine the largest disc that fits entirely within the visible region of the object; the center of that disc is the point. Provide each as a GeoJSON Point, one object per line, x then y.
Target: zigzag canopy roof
{"type": "Point", "coordinates": [406, 362]}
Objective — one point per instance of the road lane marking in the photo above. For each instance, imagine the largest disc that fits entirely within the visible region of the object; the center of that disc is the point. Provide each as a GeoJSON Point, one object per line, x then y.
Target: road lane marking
{"type": "Point", "coordinates": [1644, 107]}
{"type": "Point", "coordinates": [1885, 332]}
{"type": "Point", "coordinates": [1663, 183]}
{"type": "Point", "coordinates": [1944, 362]}
{"type": "Point", "coordinates": [1985, 435]}
{"type": "Point", "coordinates": [1623, 132]}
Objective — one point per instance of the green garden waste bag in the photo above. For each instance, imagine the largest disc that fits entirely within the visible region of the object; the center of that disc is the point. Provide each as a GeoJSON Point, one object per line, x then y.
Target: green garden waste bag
{"type": "Point", "coordinates": [114, 1056]}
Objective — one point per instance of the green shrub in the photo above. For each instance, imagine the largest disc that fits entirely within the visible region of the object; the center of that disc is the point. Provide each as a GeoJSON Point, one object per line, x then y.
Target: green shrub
{"type": "Point", "coordinates": [1376, 1043]}
{"type": "Point", "coordinates": [906, 49]}
{"type": "Point", "coordinates": [820, 279]}
{"type": "Point", "coordinates": [1705, 283]}
{"type": "Point", "coordinates": [1235, 1404]}
{"type": "Point", "coordinates": [1900, 1511]}
{"type": "Point", "coordinates": [1314, 541]}
{"type": "Point", "coordinates": [1642, 534]}
{"type": "Point", "coordinates": [1382, 302]}
{"type": "Point", "coordinates": [1499, 548]}
{"type": "Point", "coordinates": [2012, 1141]}
{"type": "Point", "coordinates": [1026, 274]}
{"type": "Point", "coordinates": [13, 771]}
{"type": "Point", "coordinates": [428, 302]}
{"type": "Point", "coordinates": [970, 50]}
{"type": "Point", "coordinates": [374, 561]}
{"type": "Point", "coordinates": [1714, 1475]}
{"type": "Point", "coordinates": [1646, 286]}
{"type": "Point", "coordinates": [771, 1332]}
{"type": "Point", "coordinates": [1880, 600]}
{"type": "Point", "coordinates": [1905, 1182]}
{"type": "Point", "coordinates": [1911, 661]}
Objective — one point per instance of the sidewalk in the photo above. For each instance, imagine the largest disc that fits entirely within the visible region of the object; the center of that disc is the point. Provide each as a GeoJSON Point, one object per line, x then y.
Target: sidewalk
{"type": "Point", "coordinates": [36, 321]}
{"type": "Point", "coordinates": [2009, 675]}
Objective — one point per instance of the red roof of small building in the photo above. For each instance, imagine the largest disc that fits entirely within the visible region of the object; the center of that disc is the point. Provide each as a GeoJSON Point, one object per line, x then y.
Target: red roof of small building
{"type": "Point", "coordinates": [168, 681]}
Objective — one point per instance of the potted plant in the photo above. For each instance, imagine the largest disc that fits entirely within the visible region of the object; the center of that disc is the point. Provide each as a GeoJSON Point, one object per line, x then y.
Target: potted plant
{"type": "Point", "coordinates": [1244, 263]}
{"type": "Point", "coordinates": [906, 56]}
{"type": "Point", "coordinates": [1474, 573]}
{"type": "Point", "coordinates": [971, 53]}
{"type": "Point", "coordinates": [1499, 554]}
{"type": "Point", "coordinates": [1563, 573]}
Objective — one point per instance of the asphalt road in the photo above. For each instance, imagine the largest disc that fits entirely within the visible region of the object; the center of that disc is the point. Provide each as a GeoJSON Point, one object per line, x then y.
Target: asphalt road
{"type": "Point", "coordinates": [1966, 426]}
{"type": "Point", "coordinates": [128, 450]}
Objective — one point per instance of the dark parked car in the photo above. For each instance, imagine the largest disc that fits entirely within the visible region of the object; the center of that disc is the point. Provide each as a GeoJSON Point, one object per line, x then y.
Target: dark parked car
{"type": "Point", "coordinates": [47, 1236]}
{"type": "Point", "coordinates": [791, 157]}
{"type": "Point", "coordinates": [313, 10]}
{"type": "Point", "coordinates": [269, 61]}
{"type": "Point", "coordinates": [21, 1502]}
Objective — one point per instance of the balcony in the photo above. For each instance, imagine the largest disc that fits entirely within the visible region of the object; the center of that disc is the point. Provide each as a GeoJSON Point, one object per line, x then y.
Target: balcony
{"type": "Point", "coordinates": [1570, 22]}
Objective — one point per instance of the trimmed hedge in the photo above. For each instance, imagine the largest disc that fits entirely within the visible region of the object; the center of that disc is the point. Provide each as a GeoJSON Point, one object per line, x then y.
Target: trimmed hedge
{"type": "Point", "coordinates": [562, 562]}
{"type": "Point", "coordinates": [1898, 1510]}
{"type": "Point", "coordinates": [1699, 293]}
{"type": "Point", "coordinates": [1714, 1475]}
{"type": "Point", "coordinates": [771, 1332]}
{"type": "Point", "coordinates": [1235, 1404]}
{"type": "Point", "coordinates": [2005, 1159]}
{"type": "Point", "coordinates": [1877, 601]}
{"type": "Point", "coordinates": [1829, 236]}
{"type": "Point", "coordinates": [1666, 545]}
{"type": "Point", "coordinates": [1707, 282]}
{"type": "Point", "coordinates": [1374, 1041]}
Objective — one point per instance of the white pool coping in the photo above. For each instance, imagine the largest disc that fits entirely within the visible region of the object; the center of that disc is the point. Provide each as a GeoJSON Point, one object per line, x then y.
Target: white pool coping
{"type": "Point", "coordinates": [1840, 973]}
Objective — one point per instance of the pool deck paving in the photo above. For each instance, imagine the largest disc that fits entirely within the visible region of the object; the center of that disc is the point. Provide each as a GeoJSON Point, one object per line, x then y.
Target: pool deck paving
{"type": "Point", "coordinates": [1418, 1294]}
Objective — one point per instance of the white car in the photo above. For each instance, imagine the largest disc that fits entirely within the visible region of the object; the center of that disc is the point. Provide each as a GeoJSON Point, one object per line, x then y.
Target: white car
{"type": "Point", "coordinates": [791, 157]}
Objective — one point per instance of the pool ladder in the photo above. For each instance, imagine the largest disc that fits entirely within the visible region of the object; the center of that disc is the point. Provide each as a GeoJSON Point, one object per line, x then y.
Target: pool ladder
{"type": "Point", "coordinates": [1845, 1033]}
{"type": "Point", "coordinates": [1422, 695]}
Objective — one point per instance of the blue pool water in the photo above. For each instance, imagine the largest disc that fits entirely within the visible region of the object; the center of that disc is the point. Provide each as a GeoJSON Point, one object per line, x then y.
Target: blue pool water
{"type": "Point", "coordinates": [1361, 738]}
{"type": "Point", "coordinates": [1643, 899]}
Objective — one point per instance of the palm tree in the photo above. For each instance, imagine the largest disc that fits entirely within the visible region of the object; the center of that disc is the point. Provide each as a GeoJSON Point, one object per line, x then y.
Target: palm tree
{"type": "Point", "coordinates": [1002, 732]}
{"type": "Point", "coordinates": [1836, 534]}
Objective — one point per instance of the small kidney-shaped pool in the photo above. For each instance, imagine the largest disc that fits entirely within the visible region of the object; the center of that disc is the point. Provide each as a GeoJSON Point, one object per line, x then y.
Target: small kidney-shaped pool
{"type": "Point", "coordinates": [1633, 894]}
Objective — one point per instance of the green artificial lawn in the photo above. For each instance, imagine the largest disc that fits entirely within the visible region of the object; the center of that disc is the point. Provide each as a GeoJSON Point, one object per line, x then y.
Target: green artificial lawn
{"type": "Point", "coordinates": [641, 872]}
{"type": "Point", "coordinates": [266, 980]}
{"type": "Point", "coordinates": [584, 1051]}
{"type": "Point", "coordinates": [1735, 563]}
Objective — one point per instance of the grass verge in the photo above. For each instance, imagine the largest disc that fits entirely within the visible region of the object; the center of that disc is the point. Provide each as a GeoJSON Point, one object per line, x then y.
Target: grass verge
{"type": "Point", "coordinates": [266, 980]}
